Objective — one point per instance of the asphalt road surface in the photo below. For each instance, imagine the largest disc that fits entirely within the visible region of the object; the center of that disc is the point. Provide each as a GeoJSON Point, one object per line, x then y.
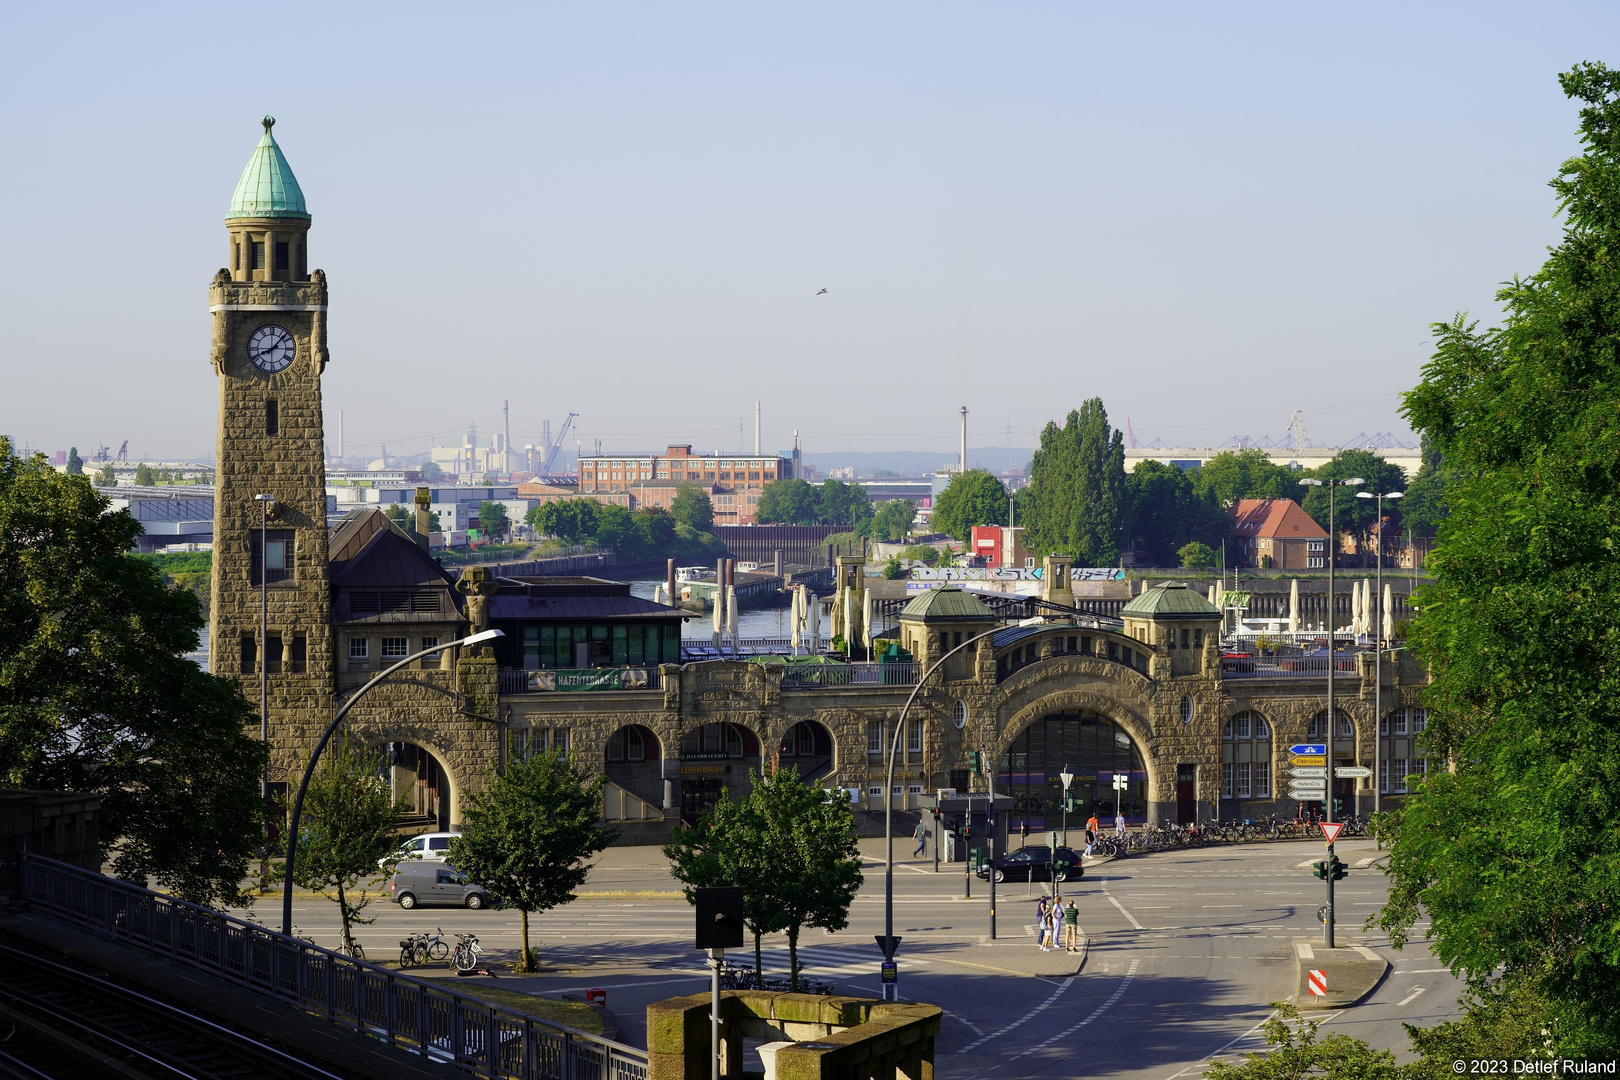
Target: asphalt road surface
{"type": "Point", "coordinates": [1187, 950]}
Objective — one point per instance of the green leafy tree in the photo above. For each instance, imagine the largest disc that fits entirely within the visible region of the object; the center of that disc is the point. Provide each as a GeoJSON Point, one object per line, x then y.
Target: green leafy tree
{"type": "Point", "coordinates": [1424, 506]}
{"type": "Point", "coordinates": [655, 530]}
{"type": "Point", "coordinates": [787, 502]}
{"type": "Point", "coordinates": [693, 508]}
{"type": "Point", "coordinates": [106, 477]}
{"type": "Point", "coordinates": [892, 520]}
{"type": "Point", "coordinates": [1245, 474]}
{"type": "Point", "coordinates": [1166, 511]}
{"type": "Point", "coordinates": [347, 826]}
{"type": "Point", "coordinates": [971, 498]}
{"type": "Point", "coordinates": [893, 570]}
{"type": "Point", "coordinates": [430, 471]}
{"type": "Point", "coordinates": [797, 860]}
{"type": "Point", "coordinates": [75, 464]}
{"type": "Point", "coordinates": [838, 503]}
{"type": "Point", "coordinates": [1196, 556]}
{"type": "Point", "coordinates": [616, 529]}
{"type": "Point", "coordinates": [1294, 1052]}
{"type": "Point", "coordinates": [569, 520]}
{"type": "Point", "coordinates": [400, 516]}
{"type": "Point", "coordinates": [493, 518]}
{"type": "Point", "coordinates": [96, 693]}
{"type": "Point", "coordinates": [1350, 514]}
{"type": "Point", "coordinates": [924, 553]}
{"type": "Point", "coordinates": [1077, 488]}
{"type": "Point", "coordinates": [1509, 846]}
{"type": "Point", "coordinates": [530, 835]}
{"type": "Point", "coordinates": [144, 475]}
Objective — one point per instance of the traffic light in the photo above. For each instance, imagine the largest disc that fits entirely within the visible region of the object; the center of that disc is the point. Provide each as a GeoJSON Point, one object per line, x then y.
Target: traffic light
{"type": "Point", "coordinates": [1023, 830]}
{"type": "Point", "coordinates": [974, 763]}
{"type": "Point", "coordinates": [1337, 868]}
{"type": "Point", "coordinates": [1319, 869]}
{"type": "Point", "coordinates": [1068, 803]}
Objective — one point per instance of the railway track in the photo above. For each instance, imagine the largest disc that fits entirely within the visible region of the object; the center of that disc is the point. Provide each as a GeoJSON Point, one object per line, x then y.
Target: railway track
{"type": "Point", "coordinates": [61, 1023]}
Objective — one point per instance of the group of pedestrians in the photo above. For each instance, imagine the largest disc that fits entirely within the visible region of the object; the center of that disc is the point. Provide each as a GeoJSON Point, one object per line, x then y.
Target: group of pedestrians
{"type": "Point", "coordinates": [1057, 925]}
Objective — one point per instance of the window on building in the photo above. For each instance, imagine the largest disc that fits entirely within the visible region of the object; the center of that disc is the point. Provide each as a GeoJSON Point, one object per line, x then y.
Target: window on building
{"type": "Point", "coordinates": [1420, 720]}
{"type": "Point", "coordinates": [1398, 722]}
{"type": "Point", "coordinates": [279, 551]}
{"type": "Point", "coordinates": [431, 660]}
{"type": "Point", "coordinates": [1243, 779]}
{"type": "Point", "coordinates": [734, 747]}
{"type": "Point", "coordinates": [874, 737]}
{"type": "Point", "coordinates": [1383, 774]}
{"type": "Point", "coordinates": [395, 648]}
{"type": "Point", "coordinates": [258, 254]}
{"type": "Point", "coordinates": [250, 652]}
{"type": "Point", "coordinates": [1241, 723]}
{"type": "Point", "coordinates": [914, 738]}
{"type": "Point", "coordinates": [236, 256]}
{"type": "Point", "coordinates": [635, 747]}
{"type": "Point", "coordinates": [914, 789]}
{"type": "Point", "coordinates": [1226, 779]}
{"type": "Point", "coordinates": [1397, 766]}
{"type": "Point", "coordinates": [559, 741]}
{"type": "Point", "coordinates": [298, 654]}
{"type": "Point", "coordinates": [272, 417]}
{"type": "Point", "coordinates": [359, 648]}
{"type": "Point", "coordinates": [875, 790]}
{"type": "Point", "coordinates": [283, 256]}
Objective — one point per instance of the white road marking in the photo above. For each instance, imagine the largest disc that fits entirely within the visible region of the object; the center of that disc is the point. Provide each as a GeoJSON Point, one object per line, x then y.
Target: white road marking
{"type": "Point", "coordinates": [1042, 1007]}
{"type": "Point", "coordinates": [1098, 1011]}
{"type": "Point", "coordinates": [1409, 998]}
{"type": "Point", "coordinates": [1125, 913]}
{"type": "Point", "coordinates": [1421, 971]}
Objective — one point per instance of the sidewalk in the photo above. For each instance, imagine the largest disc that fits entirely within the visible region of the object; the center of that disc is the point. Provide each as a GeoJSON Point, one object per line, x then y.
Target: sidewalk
{"type": "Point", "coordinates": [1350, 973]}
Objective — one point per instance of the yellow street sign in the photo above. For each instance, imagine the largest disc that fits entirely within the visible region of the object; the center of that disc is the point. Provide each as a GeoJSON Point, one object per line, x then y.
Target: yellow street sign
{"type": "Point", "coordinates": [1309, 761]}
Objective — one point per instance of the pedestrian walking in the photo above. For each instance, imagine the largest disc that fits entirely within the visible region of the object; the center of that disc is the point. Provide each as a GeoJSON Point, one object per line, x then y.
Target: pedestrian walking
{"type": "Point", "coordinates": [921, 836]}
{"type": "Point", "coordinates": [1119, 825]}
{"type": "Point", "coordinates": [1054, 916]}
{"type": "Point", "coordinates": [1071, 927]}
{"type": "Point", "coordinates": [1041, 928]}
{"type": "Point", "coordinates": [1091, 832]}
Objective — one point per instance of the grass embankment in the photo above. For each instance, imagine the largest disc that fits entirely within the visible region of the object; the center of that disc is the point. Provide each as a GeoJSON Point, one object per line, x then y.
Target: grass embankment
{"type": "Point", "coordinates": [574, 1014]}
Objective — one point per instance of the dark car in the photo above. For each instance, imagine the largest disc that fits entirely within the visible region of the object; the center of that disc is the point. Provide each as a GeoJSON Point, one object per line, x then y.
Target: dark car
{"type": "Point", "coordinates": [1036, 863]}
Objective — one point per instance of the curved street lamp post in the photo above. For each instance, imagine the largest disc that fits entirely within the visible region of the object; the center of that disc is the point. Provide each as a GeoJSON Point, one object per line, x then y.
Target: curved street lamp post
{"type": "Point", "coordinates": [309, 770]}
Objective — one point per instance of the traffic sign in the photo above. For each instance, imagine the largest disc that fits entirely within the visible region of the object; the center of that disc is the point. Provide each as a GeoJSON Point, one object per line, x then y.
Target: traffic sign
{"type": "Point", "coordinates": [1356, 771]}
{"type": "Point", "coordinates": [1307, 794]}
{"type": "Point", "coordinates": [1330, 829]}
{"type": "Point", "coordinates": [1318, 774]}
{"type": "Point", "coordinates": [1318, 982]}
{"type": "Point", "coordinates": [1319, 762]}
{"type": "Point", "coordinates": [1308, 748]}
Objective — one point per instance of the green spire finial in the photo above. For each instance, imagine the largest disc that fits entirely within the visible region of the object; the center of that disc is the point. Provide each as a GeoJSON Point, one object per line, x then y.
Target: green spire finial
{"type": "Point", "coordinates": [267, 188]}
{"type": "Point", "coordinates": [268, 122]}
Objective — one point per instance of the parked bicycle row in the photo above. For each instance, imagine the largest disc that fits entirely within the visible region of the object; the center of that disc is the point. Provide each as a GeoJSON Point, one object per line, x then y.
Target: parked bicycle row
{"type": "Point", "coordinates": [1166, 837]}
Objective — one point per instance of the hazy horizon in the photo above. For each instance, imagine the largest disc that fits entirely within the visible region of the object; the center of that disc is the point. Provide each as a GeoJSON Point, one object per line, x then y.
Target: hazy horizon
{"type": "Point", "coordinates": [1208, 217]}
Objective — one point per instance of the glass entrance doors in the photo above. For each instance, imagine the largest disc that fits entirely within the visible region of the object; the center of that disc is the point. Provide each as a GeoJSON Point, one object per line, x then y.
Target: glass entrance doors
{"type": "Point", "coordinates": [1095, 749]}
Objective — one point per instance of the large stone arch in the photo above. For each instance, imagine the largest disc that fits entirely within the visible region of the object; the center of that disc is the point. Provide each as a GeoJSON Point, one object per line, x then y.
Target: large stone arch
{"type": "Point", "coordinates": [1079, 699]}
{"type": "Point", "coordinates": [385, 737]}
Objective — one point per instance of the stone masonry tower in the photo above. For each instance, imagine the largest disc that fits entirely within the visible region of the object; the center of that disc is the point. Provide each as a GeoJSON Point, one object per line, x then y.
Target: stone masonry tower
{"type": "Point", "coordinates": [269, 350]}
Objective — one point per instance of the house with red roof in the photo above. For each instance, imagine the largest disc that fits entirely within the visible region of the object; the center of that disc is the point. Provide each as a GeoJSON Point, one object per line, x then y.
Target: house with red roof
{"type": "Point", "coordinates": [1278, 534]}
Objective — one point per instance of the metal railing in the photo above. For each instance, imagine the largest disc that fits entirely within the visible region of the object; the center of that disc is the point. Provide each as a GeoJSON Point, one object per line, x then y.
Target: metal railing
{"type": "Point", "coordinates": [1286, 667]}
{"type": "Point", "coordinates": [577, 680]}
{"type": "Point", "coordinates": [479, 1038]}
{"type": "Point", "coordinates": [809, 676]}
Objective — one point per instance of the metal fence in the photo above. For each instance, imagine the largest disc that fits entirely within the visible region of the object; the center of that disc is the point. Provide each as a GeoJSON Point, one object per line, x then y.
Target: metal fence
{"type": "Point", "coordinates": [857, 674]}
{"type": "Point", "coordinates": [1286, 667]}
{"type": "Point", "coordinates": [576, 680]}
{"type": "Point", "coordinates": [482, 1039]}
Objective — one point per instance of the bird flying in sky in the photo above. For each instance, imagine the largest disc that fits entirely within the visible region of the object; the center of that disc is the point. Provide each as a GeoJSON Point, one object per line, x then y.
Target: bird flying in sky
{"type": "Point", "coordinates": [822, 291]}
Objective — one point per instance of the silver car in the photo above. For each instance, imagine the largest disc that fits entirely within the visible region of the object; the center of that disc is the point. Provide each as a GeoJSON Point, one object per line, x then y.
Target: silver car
{"type": "Point", "coordinates": [420, 882]}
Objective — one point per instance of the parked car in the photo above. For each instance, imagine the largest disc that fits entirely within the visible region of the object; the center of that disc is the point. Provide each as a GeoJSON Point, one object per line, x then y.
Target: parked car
{"type": "Point", "coordinates": [422, 882]}
{"type": "Point", "coordinates": [428, 847]}
{"type": "Point", "coordinates": [1036, 863]}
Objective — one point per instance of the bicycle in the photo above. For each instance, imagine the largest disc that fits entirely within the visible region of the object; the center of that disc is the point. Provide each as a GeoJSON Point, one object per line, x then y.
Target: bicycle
{"type": "Point", "coordinates": [467, 952]}
{"type": "Point", "coordinates": [431, 946]}
{"type": "Point", "coordinates": [355, 951]}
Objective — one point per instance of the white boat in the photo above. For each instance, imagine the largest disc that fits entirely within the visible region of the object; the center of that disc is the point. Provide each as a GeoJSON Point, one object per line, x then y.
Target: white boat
{"type": "Point", "coordinates": [684, 574]}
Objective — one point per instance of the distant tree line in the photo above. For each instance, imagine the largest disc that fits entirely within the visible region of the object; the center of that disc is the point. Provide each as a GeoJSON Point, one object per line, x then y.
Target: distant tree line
{"type": "Point", "coordinates": [682, 532]}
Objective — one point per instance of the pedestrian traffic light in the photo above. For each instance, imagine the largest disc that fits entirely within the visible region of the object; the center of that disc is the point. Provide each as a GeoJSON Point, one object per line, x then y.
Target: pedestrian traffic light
{"type": "Point", "coordinates": [1337, 868]}
{"type": "Point", "coordinates": [1023, 829]}
{"type": "Point", "coordinates": [1319, 869]}
{"type": "Point", "coordinates": [1068, 803]}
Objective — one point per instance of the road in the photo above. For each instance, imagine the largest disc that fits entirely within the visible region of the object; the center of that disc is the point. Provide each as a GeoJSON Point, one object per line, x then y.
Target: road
{"type": "Point", "coordinates": [1187, 950]}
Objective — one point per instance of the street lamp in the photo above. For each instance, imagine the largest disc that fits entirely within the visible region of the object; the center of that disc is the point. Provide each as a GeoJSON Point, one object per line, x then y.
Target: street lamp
{"type": "Point", "coordinates": [264, 502]}
{"type": "Point", "coordinates": [1068, 778]}
{"type": "Point", "coordinates": [888, 943]}
{"type": "Point", "coordinates": [1378, 643]}
{"type": "Point", "coordinates": [309, 770]}
{"type": "Point", "coordinates": [1332, 557]}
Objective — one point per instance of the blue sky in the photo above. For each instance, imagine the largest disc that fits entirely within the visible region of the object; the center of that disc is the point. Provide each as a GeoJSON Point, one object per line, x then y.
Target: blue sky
{"type": "Point", "coordinates": [1208, 215]}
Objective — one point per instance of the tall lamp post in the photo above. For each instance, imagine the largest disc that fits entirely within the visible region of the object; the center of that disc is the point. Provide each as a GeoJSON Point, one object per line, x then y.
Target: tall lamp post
{"type": "Point", "coordinates": [888, 942]}
{"type": "Point", "coordinates": [264, 502]}
{"type": "Point", "coordinates": [1378, 641]}
{"type": "Point", "coordinates": [309, 770]}
{"type": "Point", "coordinates": [1332, 557]}
{"type": "Point", "coordinates": [1068, 778]}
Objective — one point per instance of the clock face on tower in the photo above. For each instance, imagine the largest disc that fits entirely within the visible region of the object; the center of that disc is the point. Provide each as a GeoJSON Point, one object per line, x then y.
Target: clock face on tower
{"type": "Point", "coordinates": [271, 348]}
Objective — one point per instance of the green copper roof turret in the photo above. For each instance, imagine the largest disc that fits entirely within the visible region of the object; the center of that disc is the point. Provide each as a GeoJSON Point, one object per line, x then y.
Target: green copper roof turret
{"type": "Point", "coordinates": [268, 188]}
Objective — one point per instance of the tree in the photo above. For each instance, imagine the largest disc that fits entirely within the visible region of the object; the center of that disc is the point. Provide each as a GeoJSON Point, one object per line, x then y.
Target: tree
{"type": "Point", "coordinates": [655, 530]}
{"type": "Point", "coordinates": [693, 508]}
{"type": "Point", "coordinates": [96, 693]}
{"type": "Point", "coordinates": [971, 498]}
{"type": "Point", "coordinates": [616, 529]}
{"type": "Point", "coordinates": [892, 519]}
{"type": "Point", "coordinates": [1517, 629]}
{"type": "Point", "coordinates": [144, 476]}
{"type": "Point", "coordinates": [1166, 511]}
{"type": "Point", "coordinates": [493, 518]}
{"type": "Point", "coordinates": [1196, 556]}
{"type": "Point", "coordinates": [430, 471]}
{"type": "Point", "coordinates": [1077, 488]}
{"type": "Point", "coordinates": [75, 464]}
{"type": "Point", "coordinates": [400, 516]}
{"type": "Point", "coordinates": [1350, 514]}
{"type": "Point", "coordinates": [838, 503]}
{"type": "Point", "coordinates": [791, 848]}
{"type": "Point", "coordinates": [1294, 1052]}
{"type": "Point", "coordinates": [569, 520]}
{"type": "Point", "coordinates": [1424, 506]}
{"type": "Point", "coordinates": [787, 502]}
{"type": "Point", "coordinates": [528, 837]}
{"type": "Point", "coordinates": [106, 477]}
{"type": "Point", "coordinates": [347, 826]}
{"type": "Point", "coordinates": [893, 570]}
{"type": "Point", "coordinates": [1245, 474]}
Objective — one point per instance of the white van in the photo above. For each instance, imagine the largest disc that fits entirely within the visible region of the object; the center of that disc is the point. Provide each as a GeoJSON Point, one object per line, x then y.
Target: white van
{"type": "Point", "coordinates": [429, 847]}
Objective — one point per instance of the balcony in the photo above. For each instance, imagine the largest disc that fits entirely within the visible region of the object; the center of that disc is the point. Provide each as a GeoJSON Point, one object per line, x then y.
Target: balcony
{"type": "Point", "coordinates": [578, 680]}
{"type": "Point", "coordinates": [828, 676]}
{"type": "Point", "coordinates": [1287, 667]}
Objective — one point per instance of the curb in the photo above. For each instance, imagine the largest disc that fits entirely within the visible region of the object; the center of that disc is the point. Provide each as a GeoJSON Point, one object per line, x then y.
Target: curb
{"type": "Point", "coordinates": [1352, 973]}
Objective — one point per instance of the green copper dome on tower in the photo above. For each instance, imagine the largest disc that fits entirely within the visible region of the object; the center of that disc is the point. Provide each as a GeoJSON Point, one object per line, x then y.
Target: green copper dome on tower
{"type": "Point", "coordinates": [268, 188]}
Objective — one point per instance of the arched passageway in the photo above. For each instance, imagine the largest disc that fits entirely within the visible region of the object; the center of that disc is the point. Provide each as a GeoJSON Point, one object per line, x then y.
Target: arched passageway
{"type": "Point", "coordinates": [810, 747]}
{"type": "Point", "coordinates": [714, 758]}
{"type": "Point", "coordinates": [423, 790]}
{"type": "Point", "coordinates": [632, 762]}
{"type": "Point", "coordinates": [1095, 749]}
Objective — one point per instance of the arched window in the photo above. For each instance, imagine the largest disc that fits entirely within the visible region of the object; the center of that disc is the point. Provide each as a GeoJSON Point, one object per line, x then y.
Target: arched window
{"type": "Point", "coordinates": [1187, 709]}
{"type": "Point", "coordinates": [959, 714]}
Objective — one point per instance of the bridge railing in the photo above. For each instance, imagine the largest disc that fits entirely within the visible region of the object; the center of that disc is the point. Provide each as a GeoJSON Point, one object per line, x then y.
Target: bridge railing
{"type": "Point", "coordinates": [478, 1038]}
{"type": "Point", "coordinates": [807, 676]}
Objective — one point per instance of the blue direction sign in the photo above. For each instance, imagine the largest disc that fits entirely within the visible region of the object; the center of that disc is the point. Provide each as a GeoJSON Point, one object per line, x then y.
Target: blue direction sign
{"type": "Point", "coordinates": [1307, 749]}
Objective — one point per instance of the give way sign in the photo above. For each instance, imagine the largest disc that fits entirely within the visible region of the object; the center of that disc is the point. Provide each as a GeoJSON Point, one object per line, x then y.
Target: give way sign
{"type": "Point", "coordinates": [1330, 829]}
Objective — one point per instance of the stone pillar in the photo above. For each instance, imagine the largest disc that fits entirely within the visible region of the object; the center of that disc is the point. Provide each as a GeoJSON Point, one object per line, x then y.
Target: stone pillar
{"type": "Point", "coordinates": [1056, 588]}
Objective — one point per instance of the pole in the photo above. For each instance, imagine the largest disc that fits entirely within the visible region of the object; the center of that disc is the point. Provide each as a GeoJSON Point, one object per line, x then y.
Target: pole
{"type": "Point", "coordinates": [990, 829]}
{"type": "Point", "coordinates": [1333, 727]}
{"type": "Point", "coordinates": [888, 799]}
{"type": "Point", "coordinates": [1378, 657]}
{"type": "Point", "coordinates": [715, 957]}
{"type": "Point", "coordinates": [326, 736]}
{"type": "Point", "coordinates": [1328, 922]}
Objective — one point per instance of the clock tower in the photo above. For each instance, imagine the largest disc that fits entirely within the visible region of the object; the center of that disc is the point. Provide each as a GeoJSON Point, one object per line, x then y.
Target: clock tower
{"type": "Point", "coordinates": [269, 349]}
